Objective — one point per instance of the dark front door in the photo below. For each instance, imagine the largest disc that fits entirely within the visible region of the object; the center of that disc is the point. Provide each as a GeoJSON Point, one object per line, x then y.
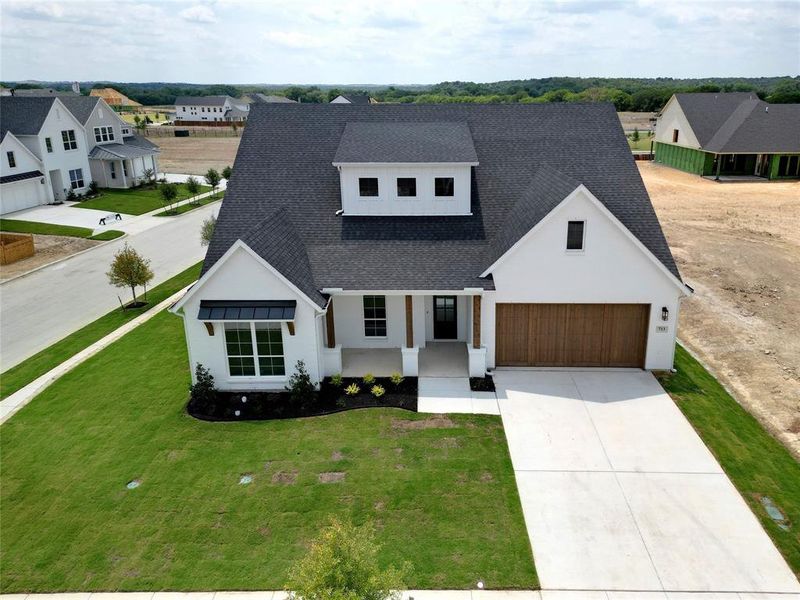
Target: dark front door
{"type": "Point", "coordinates": [444, 318]}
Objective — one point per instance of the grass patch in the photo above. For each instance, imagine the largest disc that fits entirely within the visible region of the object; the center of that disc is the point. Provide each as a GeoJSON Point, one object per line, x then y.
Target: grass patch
{"type": "Point", "coordinates": [440, 490]}
{"type": "Point", "coordinates": [184, 208]}
{"type": "Point", "coordinates": [13, 226]}
{"type": "Point", "coordinates": [40, 363]}
{"type": "Point", "coordinates": [644, 141]}
{"type": "Point", "coordinates": [756, 462]}
{"type": "Point", "coordinates": [135, 201]}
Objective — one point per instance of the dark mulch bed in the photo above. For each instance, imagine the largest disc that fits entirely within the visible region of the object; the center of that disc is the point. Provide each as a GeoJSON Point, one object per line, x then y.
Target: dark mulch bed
{"type": "Point", "coordinates": [481, 384]}
{"type": "Point", "coordinates": [264, 406]}
{"type": "Point", "coordinates": [137, 304]}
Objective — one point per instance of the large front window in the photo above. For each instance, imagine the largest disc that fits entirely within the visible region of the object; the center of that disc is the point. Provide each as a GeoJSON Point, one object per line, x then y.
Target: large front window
{"type": "Point", "coordinates": [103, 134]}
{"type": "Point", "coordinates": [69, 139]}
{"type": "Point", "coordinates": [375, 316]}
{"type": "Point", "coordinates": [254, 349]}
{"type": "Point", "coordinates": [76, 179]}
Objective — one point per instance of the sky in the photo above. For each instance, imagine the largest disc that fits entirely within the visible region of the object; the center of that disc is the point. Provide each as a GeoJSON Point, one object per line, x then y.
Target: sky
{"type": "Point", "coordinates": [394, 41]}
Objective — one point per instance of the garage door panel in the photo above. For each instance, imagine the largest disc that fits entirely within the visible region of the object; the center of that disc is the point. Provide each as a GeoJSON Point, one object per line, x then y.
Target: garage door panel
{"type": "Point", "coordinates": [563, 335]}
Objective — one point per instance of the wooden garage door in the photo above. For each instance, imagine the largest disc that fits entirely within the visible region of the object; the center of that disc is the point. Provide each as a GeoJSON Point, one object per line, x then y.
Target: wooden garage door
{"type": "Point", "coordinates": [571, 335]}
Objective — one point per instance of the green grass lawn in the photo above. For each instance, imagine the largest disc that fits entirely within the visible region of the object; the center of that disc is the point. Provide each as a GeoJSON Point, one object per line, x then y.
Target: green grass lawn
{"type": "Point", "coordinates": [13, 226]}
{"type": "Point", "coordinates": [52, 356]}
{"type": "Point", "coordinates": [642, 144]}
{"type": "Point", "coordinates": [756, 462]}
{"type": "Point", "coordinates": [134, 201]}
{"type": "Point", "coordinates": [440, 491]}
{"type": "Point", "coordinates": [184, 208]}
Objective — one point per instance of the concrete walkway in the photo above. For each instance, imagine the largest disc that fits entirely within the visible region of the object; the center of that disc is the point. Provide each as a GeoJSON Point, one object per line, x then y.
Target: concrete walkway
{"type": "Point", "coordinates": [9, 406]}
{"type": "Point", "coordinates": [411, 595]}
{"type": "Point", "coordinates": [453, 395]}
{"type": "Point", "coordinates": [619, 492]}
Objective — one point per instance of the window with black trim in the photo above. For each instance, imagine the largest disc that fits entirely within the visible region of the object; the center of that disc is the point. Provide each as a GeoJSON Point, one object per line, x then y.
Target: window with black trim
{"type": "Point", "coordinates": [375, 316]}
{"type": "Point", "coordinates": [12, 162]}
{"type": "Point", "coordinates": [76, 178]}
{"type": "Point", "coordinates": [113, 167]}
{"type": "Point", "coordinates": [406, 186]}
{"type": "Point", "coordinates": [68, 137]}
{"type": "Point", "coordinates": [444, 186]}
{"type": "Point", "coordinates": [674, 136]}
{"type": "Point", "coordinates": [103, 134]}
{"type": "Point", "coordinates": [575, 235]}
{"type": "Point", "coordinates": [367, 186]}
{"type": "Point", "coordinates": [48, 143]}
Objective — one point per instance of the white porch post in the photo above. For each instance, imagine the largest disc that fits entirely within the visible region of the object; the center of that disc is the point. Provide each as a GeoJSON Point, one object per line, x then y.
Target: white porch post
{"type": "Point", "coordinates": [122, 172]}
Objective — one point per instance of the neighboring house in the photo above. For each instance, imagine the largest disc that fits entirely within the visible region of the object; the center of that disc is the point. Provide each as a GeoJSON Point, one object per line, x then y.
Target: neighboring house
{"type": "Point", "coordinates": [210, 109]}
{"type": "Point", "coordinates": [41, 92]}
{"type": "Point", "coordinates": [395, 231]}
{"type": "Point", "coordinates": [113, 97]}
{"type": "Point", "coordinates": [733, 134]}
{"type": "Point", "coordinates": [55, 138]}
{"type": "Point", "coordinates": [74, 140]}
{"type": "Point", "coordinates": [118, 158]}
{"type": "Point", "coordinates": [268, 99]}
{"type": "Point", "coordinates": [354, 99]}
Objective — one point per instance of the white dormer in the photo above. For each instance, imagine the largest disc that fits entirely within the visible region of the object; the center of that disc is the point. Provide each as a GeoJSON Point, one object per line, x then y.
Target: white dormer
{"type": "Point", "coordinates": [415, 169]}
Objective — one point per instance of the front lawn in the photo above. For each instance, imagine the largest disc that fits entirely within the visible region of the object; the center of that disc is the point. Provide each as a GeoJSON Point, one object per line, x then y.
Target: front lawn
{"type": "Point", "coordinates": [756, 462]}
{"type": "Point", "coordinates": [440, 489]}
{"type": "Point", "coordinates": [14, 226]}
{"type": "Point", "coordinates": [184, 208]}
{"type": "Point", "coordinates": [40, 363]}
{"type": "Point", "coordinates": [134, 201]}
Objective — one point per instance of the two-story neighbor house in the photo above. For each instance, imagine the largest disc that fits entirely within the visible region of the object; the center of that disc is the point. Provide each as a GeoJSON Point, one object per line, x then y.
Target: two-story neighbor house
{"type": "Point", "coordinates": [199, 109]}
{"type": "Point", "coordinates": [353, 99]}
{"type": "Point", "coordinates": [118, 158]}
{"type": "Point", "coordinates": [386, 233]}
{"type": "Point", "coordinates": [57, 157]}
{"type": "Point", "coordinates": [71, 141]}
{"type": "Point", "coordinates": [733, 134]}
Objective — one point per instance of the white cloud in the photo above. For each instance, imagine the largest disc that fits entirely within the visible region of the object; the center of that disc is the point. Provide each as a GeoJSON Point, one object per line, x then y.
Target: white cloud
{"type": "Point", "coordinates": [293, 39]}
{"type": "Point", "coordinates": [198, 14]}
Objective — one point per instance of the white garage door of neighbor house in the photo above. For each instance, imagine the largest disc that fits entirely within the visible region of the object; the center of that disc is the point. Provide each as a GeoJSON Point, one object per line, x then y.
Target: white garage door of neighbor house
{"type": "Point", "coordinates": [18, 196]}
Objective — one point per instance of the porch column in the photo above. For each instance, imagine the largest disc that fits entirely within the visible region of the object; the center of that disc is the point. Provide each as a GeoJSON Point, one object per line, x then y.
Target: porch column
{"type": "Point", "coordinates": [330, 329]}
{"type": "Point", "coordinates": [122, 172]}
{"type": "Point", "coordinates": [476, 321]}
{"type": "Point", "coordinates": [409, 323]}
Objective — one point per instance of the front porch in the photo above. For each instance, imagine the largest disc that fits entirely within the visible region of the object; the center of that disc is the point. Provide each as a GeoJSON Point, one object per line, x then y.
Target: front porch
{"type": "Point", "coordinates": [416, 335]}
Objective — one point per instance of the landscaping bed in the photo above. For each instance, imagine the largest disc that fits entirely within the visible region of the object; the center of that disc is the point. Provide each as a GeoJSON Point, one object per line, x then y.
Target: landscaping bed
{"type": "Point", "coordinates": [481, 384]}
{"type": "Point", "coordinates": [331, 398]}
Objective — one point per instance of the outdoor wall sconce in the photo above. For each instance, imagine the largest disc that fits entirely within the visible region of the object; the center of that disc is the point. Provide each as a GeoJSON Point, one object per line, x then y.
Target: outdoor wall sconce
{"type": "Point", "coordinates": [664, 313]}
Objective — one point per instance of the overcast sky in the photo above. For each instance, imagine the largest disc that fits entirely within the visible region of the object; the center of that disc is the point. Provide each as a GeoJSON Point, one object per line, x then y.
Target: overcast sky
{"type": "Point", "coordinates": [388, 41]}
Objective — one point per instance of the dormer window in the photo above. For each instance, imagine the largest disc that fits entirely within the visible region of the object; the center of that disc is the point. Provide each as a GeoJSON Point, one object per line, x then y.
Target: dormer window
{"type": "Point", "coordinates": [406, 186]}
{"type": "Point", "coordinates": [367, 186]}
{"type": "Point", "coordinates": [444, 186]}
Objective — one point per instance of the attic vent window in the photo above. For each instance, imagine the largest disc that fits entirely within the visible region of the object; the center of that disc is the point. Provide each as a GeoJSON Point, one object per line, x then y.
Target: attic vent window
{"type": "Point", "coordinates": [406, 186]}
{"type": "Point", "coordinates": [368, 186]}
{"type": "Point", "coordinates": [444, 186]}
{"type": "Point", "coordinates": [674, 136]}
{"type": "Point", "coordinates": [575, 231]}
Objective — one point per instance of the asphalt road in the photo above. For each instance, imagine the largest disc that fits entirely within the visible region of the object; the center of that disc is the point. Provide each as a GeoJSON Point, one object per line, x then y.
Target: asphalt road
{"type": "Point", "coordinates": [43, 307]}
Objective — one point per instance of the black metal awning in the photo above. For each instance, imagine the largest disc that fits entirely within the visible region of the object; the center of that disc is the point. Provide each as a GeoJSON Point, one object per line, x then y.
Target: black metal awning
{"type": "Point", "coordinates": [247, 310]}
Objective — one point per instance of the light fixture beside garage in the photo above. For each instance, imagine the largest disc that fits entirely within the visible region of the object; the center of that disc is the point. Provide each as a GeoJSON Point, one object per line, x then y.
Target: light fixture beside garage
{"type": "Point", "coordinates": [664, 313]}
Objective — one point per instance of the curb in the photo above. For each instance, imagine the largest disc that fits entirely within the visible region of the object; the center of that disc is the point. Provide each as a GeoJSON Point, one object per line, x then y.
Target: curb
{"type": "Point", "coordinates": [9, 406]}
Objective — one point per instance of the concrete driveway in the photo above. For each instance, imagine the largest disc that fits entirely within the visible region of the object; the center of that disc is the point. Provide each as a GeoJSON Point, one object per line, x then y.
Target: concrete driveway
{"type": "Point", "coordinates": [619, 492]}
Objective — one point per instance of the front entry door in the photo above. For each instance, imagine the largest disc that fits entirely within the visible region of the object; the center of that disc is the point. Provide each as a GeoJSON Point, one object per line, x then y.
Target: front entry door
{"type": "Point", "coordinates": [445, 326]}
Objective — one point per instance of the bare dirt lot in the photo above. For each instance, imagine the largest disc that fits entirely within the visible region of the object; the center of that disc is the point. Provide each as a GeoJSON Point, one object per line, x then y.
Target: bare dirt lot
{"type": "Point", "coordinates": [640, 120]}
{"type": "Point", "coordinates": [196, 155]}
{"type": "Point", "coordinates": [49, 248]}
{"type": "Point", "coordinates": [738, 245]}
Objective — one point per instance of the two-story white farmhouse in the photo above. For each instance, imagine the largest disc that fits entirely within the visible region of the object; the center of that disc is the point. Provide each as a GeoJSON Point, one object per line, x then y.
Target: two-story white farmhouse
{"type": "Point", "coordinates": [194, 109]}
{"type": "Point", "coordinates": [379, 238]}
{"type": "Point", "coordinates": [51, 145]}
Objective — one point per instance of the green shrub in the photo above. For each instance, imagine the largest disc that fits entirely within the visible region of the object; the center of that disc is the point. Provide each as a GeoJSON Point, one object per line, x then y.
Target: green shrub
{"type": "Point", "coordinates": [396, 379]}
{"type": "Point", "coordinates": [377, 391]}
{"type": "Point", "coordinates": [203, 393]}
{"type": "Point", "coordinates": [336, 380]}
{"type": "Point", "coordinates": [368, 379]}
{"type": "Point", "coordinates": [300, 385]}
{"type": "Point", "coordinates": [352, 389]}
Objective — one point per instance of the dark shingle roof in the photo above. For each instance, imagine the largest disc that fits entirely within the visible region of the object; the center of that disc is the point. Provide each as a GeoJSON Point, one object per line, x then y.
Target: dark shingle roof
{"type": "Point", "coordinates": [80, 106]}
{"type": "Point", "coordinates": [128, 149]}
{"type": "Point", "coordinates": [740, 122]}
{"type": "Point", "coordinates": [201, 100]}
{"type": "Point", "coordinates": [284, 162]}
{"type": "Point", "coordinates": [23, 116]}
{"type": "Point", "coordinates": [384, 142]}
{"type": "Point", "coordinates": [265, 98]}
{"type": "Point", "coordinates": [20, 176]}
{"type": "Point", "coordinates": [356, 98]}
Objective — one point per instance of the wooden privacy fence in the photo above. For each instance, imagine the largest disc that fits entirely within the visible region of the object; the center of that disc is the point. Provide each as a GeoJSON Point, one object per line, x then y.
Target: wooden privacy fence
{"type": "Point", "coordinates": [169, 131]}
{"type": "Point", "coordinates": [15, 246]}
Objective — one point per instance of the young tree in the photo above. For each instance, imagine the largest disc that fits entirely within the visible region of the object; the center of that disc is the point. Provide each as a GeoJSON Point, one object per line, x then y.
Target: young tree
{"type": "Point", "coordinates": [129, 269]}
{"type": "Point", "coordinates": [207, 230]}
{"type": "Point", "coordinates": [169, 191]}
{"type": "Point", "coordinates": [635, 136]}
{"type": "Point", "coordinates": [149, 176]}
{"type": "Point", "coordinates": [226, 173]}
{"type": "Point", "coordinates": [342, 564]}
{"type": "Point", "coordinates": [212, 178]}
{"type": "Point", "coordinates": [193, 187]}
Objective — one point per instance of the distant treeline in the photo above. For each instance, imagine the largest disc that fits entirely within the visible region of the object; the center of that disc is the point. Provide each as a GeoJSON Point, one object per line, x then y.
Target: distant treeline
{"type": "Point", "coordinates": [626, 94]}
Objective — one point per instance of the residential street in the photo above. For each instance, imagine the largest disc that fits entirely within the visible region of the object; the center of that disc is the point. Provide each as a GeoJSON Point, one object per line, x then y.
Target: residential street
{"type": "Point", "coordinates": [47, 305]}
